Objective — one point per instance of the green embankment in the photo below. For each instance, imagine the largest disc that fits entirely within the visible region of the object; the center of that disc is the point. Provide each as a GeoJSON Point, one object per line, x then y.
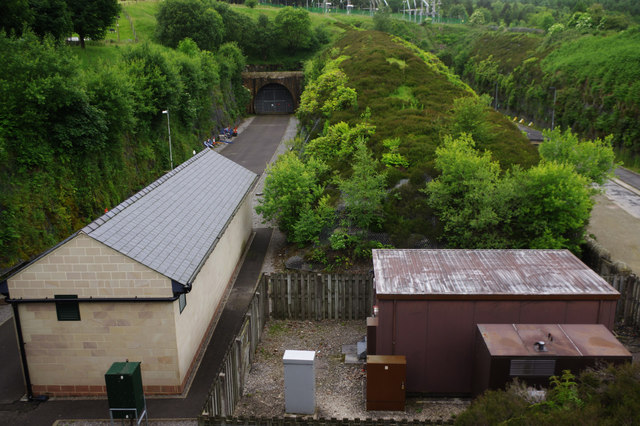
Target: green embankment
{"type": "Point", "coordinates": [410, 95]}
{"type": "Point", "coordinates": [594, 77]}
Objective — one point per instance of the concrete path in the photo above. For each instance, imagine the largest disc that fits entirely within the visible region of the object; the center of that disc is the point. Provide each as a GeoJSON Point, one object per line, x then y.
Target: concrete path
{"type": "Point", "coordinates": [615, 219]}
{"type": "Point", "coordinates": [254, 148]}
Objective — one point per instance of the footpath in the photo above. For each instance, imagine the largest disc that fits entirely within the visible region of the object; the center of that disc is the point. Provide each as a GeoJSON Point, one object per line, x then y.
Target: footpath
{"type": "Point", "coordinates": [615, 219]}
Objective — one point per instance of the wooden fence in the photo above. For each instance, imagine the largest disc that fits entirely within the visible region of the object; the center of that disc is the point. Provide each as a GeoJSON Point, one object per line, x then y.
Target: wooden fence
{"type": "Point", "coordinates": [287, 296]}
{"type": "Point", "coordinates": [311, 296]}
{"type": "Point", "coordinates": [621, 277]}
{"type": "Point", "coordinates": [294, 421]}
{"type": "Point", "coordinates": [226, 389]}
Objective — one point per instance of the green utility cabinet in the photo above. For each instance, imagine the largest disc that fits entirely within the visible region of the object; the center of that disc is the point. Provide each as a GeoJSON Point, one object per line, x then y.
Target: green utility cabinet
{"type": "Point", "coordinates": [124, 390]}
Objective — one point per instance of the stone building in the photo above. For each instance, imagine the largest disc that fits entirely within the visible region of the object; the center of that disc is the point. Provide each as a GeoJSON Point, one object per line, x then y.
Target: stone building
{"type": "Point", "coordinates": [143, 282]}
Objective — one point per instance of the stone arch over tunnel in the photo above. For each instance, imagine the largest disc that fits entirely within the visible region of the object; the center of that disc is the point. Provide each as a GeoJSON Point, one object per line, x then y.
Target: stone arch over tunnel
{"type": "Point", "coordinates": [273, 92]}
{"type": "Point", "coordinates": [273, 98]}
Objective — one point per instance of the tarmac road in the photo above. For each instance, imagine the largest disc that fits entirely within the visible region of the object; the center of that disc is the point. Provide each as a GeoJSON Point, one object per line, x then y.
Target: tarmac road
{"type": "Point", "coordinates": [626, 175]}
{"type": "Point", "coordinates": [253, 148]}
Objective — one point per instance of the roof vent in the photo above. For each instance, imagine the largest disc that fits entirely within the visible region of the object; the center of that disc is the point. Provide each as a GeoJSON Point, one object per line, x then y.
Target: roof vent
{"type": "Point", "coordinates": [540, 346]}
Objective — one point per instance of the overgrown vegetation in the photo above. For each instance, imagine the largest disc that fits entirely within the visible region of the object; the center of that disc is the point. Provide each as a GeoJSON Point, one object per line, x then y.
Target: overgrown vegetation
{"type": "Point", "coordinates": [606, 396]}
{"type": "Point", "coordinates": [76, 141]}
{"type": "Point", "coordinates": [374, 112]}
{"type": "Point", "coordinates": [591, 72]}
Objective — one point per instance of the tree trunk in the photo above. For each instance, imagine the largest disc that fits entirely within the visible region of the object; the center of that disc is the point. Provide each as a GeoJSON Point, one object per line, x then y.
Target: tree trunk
{"type": "Point", "coordinates": [81, 38]}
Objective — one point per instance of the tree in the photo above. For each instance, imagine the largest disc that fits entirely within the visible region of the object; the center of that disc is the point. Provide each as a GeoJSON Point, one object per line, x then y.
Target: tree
{"type": "Point", "coordinates": [91, 18]}
{"type": "Point", "coordinates": [549, 207]}
{"type": "Point", "coordinates": [291, 188]}
{"type": "Point", "coordinates": [364, 191]}
{"type": "Point", "coordinates": [51, 17]}
{"type": "Point", "coordinates": [463, 196]}
{"type": "Point", "coordinates": [457, 11]}
{"type": "Point", "coordinates": [179, 19]}
{"type": "Point", "coordinates": [593, 159]}
{"type": "Point", "coordinates": [326, 94]}
{"type": "Point", "coordinates": [470, 116]}
{"type": "Point", "coordinates": [293, 27]}
{"type": "Point", "coordinates": [14, 15]}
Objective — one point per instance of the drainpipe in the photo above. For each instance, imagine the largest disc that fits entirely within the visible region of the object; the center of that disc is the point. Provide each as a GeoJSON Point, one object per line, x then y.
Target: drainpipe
{"type": "Point", "coordinates": [23, 356]}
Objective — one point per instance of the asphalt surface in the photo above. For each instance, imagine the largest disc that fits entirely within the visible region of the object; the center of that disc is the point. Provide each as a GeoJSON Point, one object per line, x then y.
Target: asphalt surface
{"type": "Point", "coordinates": [254, 147]}
{"type": "Point", "coordinates": [629, 177]}
{"type": "Point", "coordinates": [615, 218]}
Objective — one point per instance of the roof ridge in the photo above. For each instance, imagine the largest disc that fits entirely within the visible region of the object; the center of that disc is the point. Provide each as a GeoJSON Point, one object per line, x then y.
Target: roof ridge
{"type": "Point", "coordinates": [101, 220]}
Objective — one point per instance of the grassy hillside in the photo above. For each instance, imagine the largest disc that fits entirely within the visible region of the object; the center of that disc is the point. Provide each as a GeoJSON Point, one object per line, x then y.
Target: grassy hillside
{"type": "Point", "coordinates": [594, 74]}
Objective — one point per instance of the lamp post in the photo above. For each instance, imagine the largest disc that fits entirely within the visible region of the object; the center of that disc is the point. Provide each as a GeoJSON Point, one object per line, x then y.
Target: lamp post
{"type": "Point", "coordinates": [166, 111]}
{"type": "Point", "coordinates": [553, 108]}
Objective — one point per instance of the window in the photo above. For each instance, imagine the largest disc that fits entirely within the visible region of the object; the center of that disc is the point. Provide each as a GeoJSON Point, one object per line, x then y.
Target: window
{"type": "Point", "coordinates": [182, 300]}
{"type": "Point", "coordinates": [68, 310]}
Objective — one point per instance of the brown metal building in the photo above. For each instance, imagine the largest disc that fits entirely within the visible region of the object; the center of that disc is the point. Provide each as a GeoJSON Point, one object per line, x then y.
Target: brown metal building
{"type": "Point", "coordinates": [430, 302]}
{"type": "Point", "coordinates": [534, 352]}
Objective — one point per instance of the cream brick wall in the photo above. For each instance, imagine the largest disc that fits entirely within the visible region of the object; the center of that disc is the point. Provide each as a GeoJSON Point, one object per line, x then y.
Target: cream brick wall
{"type": "Point", "coordinates": [80, 352]}
{"type": "Point", "coordinates": [210, 286]}
{"type": "Point", "coordinates": [88, 268]}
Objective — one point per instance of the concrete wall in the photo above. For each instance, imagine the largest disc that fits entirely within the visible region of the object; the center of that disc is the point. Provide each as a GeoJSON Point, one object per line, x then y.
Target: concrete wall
{"type": "Point", "coordinates": [438, 336]}
{"type": "Point", "coordinates": [209, 287]}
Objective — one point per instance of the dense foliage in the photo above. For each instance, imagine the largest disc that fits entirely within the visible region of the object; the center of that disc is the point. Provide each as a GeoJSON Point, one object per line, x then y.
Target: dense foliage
{"type": "Point", "coordinates": [373, 113]}
{"type": "Point", "coordinates": [606, 396]}
{"type": "Point", "coordinates": [592, 76]}
{"type": "Point", "coordinates": [282, 39]}
{"type": "Point", "coordinates": [546, 206]}
{"type": "Point", "coordinates": [76, 141]}
{"type": "Point", "coordinates": [59, 18]}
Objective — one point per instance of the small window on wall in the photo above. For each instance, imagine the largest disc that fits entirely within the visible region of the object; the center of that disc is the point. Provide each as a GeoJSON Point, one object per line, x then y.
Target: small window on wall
{"type": "Point", "coordinates": [182, 300]}
{"type": "Point", "coordinates": [68, 310]}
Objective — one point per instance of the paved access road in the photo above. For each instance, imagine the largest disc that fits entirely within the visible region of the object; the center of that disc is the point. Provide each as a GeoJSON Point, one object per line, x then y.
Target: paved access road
{"type": "Point", "coordinates": [253, 148]}
{"type": "Point", "coordinates": [629, 177]}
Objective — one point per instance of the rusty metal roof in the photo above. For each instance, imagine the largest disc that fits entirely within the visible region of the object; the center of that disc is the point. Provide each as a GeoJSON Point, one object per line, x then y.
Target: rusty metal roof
{"type": "Point", "coordinates": [593, 340]}
{"type": "Point", "coordinates": [425, 274]}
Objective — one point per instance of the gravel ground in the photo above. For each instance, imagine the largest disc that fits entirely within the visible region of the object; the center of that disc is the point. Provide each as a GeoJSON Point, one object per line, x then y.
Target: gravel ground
{"type": "Point", "coordinates": [339, 386]}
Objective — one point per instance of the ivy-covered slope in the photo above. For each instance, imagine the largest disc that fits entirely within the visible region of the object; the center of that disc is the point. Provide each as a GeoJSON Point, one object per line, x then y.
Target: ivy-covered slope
{"type": "Point", "coordinates": [77, 140]}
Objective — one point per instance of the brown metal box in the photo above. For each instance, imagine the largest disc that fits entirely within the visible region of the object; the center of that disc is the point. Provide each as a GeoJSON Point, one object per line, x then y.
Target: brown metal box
{"type": "Point", "coordinates": [386, 377]}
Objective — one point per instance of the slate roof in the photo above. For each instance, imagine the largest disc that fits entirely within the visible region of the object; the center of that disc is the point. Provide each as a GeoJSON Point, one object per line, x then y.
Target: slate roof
{"type": "Point", "coordinates": [486, 273]}
{"type": "Point", "coordinates": [172, 225]}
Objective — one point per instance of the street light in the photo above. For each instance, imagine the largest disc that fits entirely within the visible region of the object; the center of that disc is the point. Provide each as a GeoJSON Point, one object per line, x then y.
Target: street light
{"type": "Point", "coordinates": [553, 108]}
{"type": "Point", "coordinates": [166, 111]}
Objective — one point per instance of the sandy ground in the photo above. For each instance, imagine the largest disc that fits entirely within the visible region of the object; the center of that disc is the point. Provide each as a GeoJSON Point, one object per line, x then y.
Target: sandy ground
{"type": "Point", "coordinates": [340, 382]}
{"type": "Point", "coordinates": [617, 230]}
